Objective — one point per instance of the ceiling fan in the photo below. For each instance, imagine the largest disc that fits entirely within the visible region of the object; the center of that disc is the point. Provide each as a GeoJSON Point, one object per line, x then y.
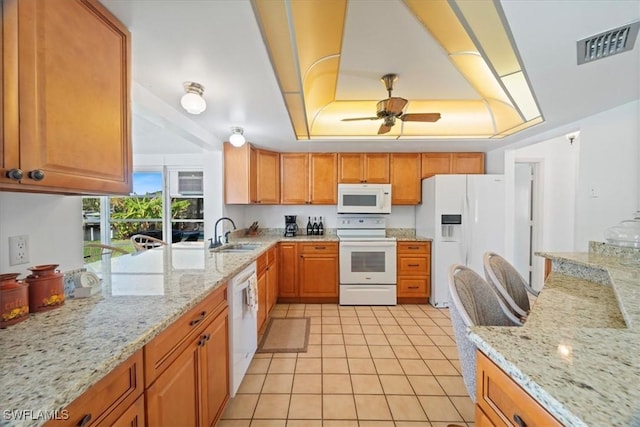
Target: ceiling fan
{"type": "Point", "coordinates": [391, 108]}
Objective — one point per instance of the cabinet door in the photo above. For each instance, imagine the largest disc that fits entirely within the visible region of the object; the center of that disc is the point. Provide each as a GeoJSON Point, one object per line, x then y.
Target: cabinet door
{"type": "Point", "coordinates": [262, 300]}
{"type": "Point", "coordinates": [70, 110]}
{"type": "Point", "coordinates": [215, 369]}
{"type": "Point", "coordinates": [323, 177]}
{"type": "Point", "coordinates": [350, 168]}
{"type": "Point", "coordinates": [435, 163]}
{"type": "Point", "coordinates": [287, 270]}
{"type": "Point", "coordinates": [318, 275]}
{"type": "Point", "coordinates": [237, 183]}
{"type": "Point", "coordinates": [132, 417]}
{"type": "Point", "coordinates": [294, 178]}
{"type": "Point", "coordinates": [467, 163]}
{"type": "Point", "coordinates": [376, 168]}
{"type": "Point", "coordinates": [272, 285]}
{"type": "Point", "coordinates": [405, 179]}
{"type": "Point", "coordinates": [268, 177]}
{"type": "Point", "coordinates": [173, 399]}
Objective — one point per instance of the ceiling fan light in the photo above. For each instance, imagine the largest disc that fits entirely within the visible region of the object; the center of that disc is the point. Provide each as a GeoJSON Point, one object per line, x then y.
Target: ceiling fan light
{"type": "Point", "coordinates": [192, 101]}
{"type": "Point", "coordinates": [237, 138]}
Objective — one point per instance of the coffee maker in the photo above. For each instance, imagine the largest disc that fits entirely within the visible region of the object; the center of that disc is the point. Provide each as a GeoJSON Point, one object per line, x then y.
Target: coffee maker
{"type": "Point", "coordinates": [290, 226]}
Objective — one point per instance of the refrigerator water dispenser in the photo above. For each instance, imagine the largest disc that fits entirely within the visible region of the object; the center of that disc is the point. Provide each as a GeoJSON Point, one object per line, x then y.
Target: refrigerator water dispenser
{"type": "Point", "coordinates": [450, 227]}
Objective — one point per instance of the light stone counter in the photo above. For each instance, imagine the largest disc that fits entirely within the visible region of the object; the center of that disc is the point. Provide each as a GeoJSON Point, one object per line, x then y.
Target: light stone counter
{"type": "Point", "coordinates": [578, 354]}
{"type": "Point", "coordinates": [53, 357]}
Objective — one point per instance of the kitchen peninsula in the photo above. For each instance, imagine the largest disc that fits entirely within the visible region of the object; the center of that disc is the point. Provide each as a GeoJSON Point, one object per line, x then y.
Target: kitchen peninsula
{"type": "Point", "coordinates": [578, 353]}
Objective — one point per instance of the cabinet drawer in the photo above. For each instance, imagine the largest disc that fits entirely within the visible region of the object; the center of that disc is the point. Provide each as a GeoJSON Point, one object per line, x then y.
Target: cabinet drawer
{"type": "Point", "coordinates": [272, 254]}
{"type": "Point", "coordinates": [414, 248]}
{"type": "Point", "coordinates": [163, 349]}
{"type": "Point", "coordinates": [319, 248]}
{"type": "Point", "coordinates": [109, 398]}
{"type": "Point", "coordinates": [418, 265]}
{"type": "Point", "coordinates": [413, 286]}
{"type": "Point", "coordinates": [503, 401]}
{"type": "Point", "coordinates": [132, 417]}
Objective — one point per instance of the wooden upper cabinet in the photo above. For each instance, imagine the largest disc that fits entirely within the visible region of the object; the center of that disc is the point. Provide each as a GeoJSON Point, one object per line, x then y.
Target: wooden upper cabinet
{"type": "Point", "coordinates": [267, 177]}
{"type": "Point", "coordinates": [65, 86]}
{"type": "Point", "coordinates": [363, 167]}
{"type": "Point", "coordinates": [323, 179]}
{"type": "Point", "coordinates": [308, 178]}
{"type": "Point", "coordinates": [435, 163]}
{"type": "Point", "coordinates": [448, 163]}
{"type": "Point", "coordinates": [251, 175]}
{"type": "Point", "coordinates": [406, 184]}
{"type": "Point", "coordinates": [294, 178]}
{"type": "Point", "coordinates": [467, 163]}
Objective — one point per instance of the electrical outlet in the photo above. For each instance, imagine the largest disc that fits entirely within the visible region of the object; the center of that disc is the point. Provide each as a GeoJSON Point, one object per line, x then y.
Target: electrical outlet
{"type": "Point", "coordinates": [18, 250]}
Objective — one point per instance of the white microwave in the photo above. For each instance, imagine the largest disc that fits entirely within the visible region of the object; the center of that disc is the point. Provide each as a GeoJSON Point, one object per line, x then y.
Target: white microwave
{"type": "Point", "coordinates": [364, 198]}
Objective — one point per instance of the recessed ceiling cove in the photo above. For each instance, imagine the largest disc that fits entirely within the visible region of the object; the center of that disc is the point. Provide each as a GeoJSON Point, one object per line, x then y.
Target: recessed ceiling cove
{"type": "Point", "coordinates": [452, 58]}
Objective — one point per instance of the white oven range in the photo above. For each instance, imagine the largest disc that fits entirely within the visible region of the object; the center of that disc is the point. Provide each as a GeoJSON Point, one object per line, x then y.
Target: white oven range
{"type": "Point", "coordinates": [367, 261]}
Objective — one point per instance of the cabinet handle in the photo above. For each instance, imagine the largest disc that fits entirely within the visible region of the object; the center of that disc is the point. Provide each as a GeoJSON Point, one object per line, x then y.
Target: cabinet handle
{"type": "Point", "coordinates": [413, 265]}
{"type": "Point", "coordinates": [320, 248]}
{"type": "Point", "coordinates": [519, 421]}
{"type": "Point", "coordinates": [198, 319]}
{"type": "Point", "coordinates": [85, 420]}
{"type": "Point", "coordinates": [14, 174]}
{"type": "Point", "coordinates": [36, 174]}
{"type": "Point", "coordinates": [413, 247]}
{"type": "Point", "coordinates": [414, 287]}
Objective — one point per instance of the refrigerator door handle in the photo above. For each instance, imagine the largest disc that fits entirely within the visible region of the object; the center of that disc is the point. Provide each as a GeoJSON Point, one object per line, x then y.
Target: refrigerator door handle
{"type": "Point", "coordinates": [465, 228]}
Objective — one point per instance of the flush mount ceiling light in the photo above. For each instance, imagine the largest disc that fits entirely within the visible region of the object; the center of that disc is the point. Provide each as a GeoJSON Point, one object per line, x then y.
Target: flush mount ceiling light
{"type": "Point", "coordinates": [237, 138]}
{"type": "Point", "coordinates": [192, 101]}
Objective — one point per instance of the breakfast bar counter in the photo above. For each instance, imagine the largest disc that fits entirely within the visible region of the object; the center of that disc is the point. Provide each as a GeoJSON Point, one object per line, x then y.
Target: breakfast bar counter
{"type": "Point", "coordinates": [578, 354]}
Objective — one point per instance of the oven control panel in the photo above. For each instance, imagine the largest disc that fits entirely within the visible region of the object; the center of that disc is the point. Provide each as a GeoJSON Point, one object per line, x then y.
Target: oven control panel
{"type": "Point", "coordinates": [362, 222]}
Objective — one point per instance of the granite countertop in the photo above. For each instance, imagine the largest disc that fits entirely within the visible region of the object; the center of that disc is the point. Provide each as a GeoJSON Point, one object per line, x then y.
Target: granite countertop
{"type": "Point", "coordinates": [51, 358]}
{"type": "Point", "coordinates": [578, 354]}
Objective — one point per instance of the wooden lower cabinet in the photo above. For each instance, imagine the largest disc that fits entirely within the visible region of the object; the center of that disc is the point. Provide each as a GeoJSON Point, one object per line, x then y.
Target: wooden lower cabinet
{"type": "Point", "coordinates": [272, 279]}
{"type": "Point", "coordinates": [262, 300]}
{"type": "Point", "coordinates": [106, 402]}
{"type": "Point", "coordinates": [318, 270]}
{"type": "Point", "coordinates": [193, 388]}
{"type": "Point", "coordinates": [414, 271]}
{"type": "Point", "coordinates": [287, 270]}
{"type": "Point", "coordinates": [132, 417]}
{"type": "Point", "coordinates": [502, 402]}
{"type": "Point", "coordinates": [308, 272]}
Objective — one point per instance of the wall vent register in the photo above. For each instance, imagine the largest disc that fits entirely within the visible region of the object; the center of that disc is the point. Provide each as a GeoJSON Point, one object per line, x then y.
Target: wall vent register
{"type": "Point", "coordinates": [609, 43]}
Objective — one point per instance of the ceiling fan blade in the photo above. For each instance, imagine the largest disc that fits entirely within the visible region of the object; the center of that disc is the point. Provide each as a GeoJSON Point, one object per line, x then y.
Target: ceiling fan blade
{"type": "Point", "coordinates": [384, 128]}
{"type": "Point", "coordinates": [395, 105]}
{"type": "Point", "coordinates": [420, 117]}
{"type": "Point", "coordinates": [360, 118]}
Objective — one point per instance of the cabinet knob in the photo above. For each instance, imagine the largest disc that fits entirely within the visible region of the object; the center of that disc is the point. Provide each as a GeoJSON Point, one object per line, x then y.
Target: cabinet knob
{"type": "Point", "coordinates": [198, 319]}
{"type": "Point", "coordinates": [519, 421]}
{"type": "Point", "coordinates": [36, 174]}
{"type": "Point", "coordinates": [15, 174]}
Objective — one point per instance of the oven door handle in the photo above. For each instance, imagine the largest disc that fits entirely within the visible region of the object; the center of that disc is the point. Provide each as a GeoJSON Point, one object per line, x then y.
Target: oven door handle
{"type": "Point", "coordinates": [361, 243]}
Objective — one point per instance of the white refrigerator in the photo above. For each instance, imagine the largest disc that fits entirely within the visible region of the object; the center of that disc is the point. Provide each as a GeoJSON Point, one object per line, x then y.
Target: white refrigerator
{"type": "Point", "coordinates": [465, 217]}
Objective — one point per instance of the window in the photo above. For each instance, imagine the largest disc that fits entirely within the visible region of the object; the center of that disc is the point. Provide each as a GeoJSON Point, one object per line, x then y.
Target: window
{"type": "Point", "coordinates": [112, 220]}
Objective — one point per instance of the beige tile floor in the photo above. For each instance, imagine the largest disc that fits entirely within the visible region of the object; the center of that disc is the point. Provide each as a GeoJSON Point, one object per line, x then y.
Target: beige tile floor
{"type": "Point", "coordinates": [365, 367]}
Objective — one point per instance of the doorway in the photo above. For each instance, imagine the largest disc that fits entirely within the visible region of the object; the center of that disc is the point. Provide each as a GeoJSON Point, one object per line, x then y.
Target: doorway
{"type": "Point", "coordinates": [527, 221]}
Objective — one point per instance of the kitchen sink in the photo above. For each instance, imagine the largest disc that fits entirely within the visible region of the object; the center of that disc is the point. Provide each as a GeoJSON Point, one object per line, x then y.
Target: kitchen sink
{"type": "Point", "coordinates": [238, 247]}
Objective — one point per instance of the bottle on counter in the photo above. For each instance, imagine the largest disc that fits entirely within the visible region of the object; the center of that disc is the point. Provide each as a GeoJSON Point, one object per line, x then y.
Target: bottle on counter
{"type": "Point", "coordinates": [314, 227]}
{"type": "Point", "coordinates": [320, 227]}
{"type": "Point", "coordinates": [309, 227]}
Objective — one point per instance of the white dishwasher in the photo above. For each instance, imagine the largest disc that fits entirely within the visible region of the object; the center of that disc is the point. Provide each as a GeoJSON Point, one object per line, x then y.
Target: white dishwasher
{"type": "Point", "coordinates": [243, 325]}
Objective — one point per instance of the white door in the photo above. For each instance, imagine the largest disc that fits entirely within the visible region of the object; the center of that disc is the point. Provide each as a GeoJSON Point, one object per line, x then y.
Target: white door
{"type": "Point", "coordinates": [523, 220]}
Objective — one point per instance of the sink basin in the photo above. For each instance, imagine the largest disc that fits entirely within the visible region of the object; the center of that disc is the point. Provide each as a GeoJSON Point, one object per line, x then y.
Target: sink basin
{"type": "Point", "coordinates": [238, 247]}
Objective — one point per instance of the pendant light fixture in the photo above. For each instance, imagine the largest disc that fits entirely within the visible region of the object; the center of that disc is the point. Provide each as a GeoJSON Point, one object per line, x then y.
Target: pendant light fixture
{"type": "Point", "coordinates": [192, 101]}
{"type": "Point", "coordinates": [237, 138]}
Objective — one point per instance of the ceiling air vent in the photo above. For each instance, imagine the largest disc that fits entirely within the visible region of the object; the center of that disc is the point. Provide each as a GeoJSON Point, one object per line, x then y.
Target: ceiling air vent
{"type": "Point", "coordinates": [608, 43]}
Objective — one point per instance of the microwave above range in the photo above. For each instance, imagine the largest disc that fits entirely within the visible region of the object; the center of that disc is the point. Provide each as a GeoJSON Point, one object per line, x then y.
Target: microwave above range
{"type": "Point", "coordinates": [364, 198]}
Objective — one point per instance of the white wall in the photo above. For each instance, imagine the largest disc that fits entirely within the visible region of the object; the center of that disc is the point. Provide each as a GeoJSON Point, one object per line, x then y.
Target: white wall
{"type": "Point", "coordinates": [53, 224]}
{"type": "Point", "coordinates": [609, 166]}
{"type": "Point", "coordinates": [608, 162]}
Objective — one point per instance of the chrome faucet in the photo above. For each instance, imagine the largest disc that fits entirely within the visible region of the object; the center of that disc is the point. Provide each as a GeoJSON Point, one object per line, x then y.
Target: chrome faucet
{"type": "Point", "coordinates": [218, 239]}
